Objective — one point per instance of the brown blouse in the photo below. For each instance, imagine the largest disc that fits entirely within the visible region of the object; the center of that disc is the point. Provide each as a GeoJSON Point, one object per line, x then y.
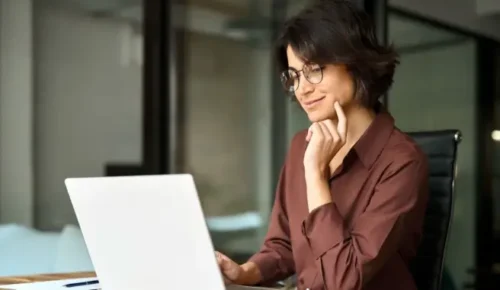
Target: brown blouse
{"type": "Point", "coordinates": [371, 230]}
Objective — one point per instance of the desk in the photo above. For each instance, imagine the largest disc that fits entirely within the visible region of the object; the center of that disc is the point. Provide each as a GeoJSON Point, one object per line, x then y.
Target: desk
{"type": "Point", "coordinates": [52, 277]}
{"type": "Point", "coordinates": [46, 277]}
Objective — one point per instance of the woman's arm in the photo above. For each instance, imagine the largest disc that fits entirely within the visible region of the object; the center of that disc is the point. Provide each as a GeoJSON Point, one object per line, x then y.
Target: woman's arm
{"type": "Point", "coordinates": [349, 257]}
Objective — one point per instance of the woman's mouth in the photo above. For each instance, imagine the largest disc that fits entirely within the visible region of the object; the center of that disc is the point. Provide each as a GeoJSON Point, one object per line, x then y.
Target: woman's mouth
{"type": "Point", "coordinates": [312, 103]}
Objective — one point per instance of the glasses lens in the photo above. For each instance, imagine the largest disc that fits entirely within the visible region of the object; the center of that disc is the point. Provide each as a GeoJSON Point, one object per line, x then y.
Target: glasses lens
{"type": "Point", "coordinates": [289, 80]}
{"type": "Point", "coordinates": [313, 73]}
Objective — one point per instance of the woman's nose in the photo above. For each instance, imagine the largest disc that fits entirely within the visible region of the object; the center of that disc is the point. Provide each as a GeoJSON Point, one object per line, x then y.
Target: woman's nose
{"type": "Point", "coordinates": [305, 86]}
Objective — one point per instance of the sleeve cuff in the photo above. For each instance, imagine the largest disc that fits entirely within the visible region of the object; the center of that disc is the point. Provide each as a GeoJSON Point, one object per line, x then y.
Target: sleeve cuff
{"type": "Point", "coordinates": [268, 266]}
{"type": "Point", "coordinates": [324, 229]}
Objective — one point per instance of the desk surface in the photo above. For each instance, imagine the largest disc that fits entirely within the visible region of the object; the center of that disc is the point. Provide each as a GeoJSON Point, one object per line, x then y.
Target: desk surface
{"type": "Point", "coordinates": [44, 277]}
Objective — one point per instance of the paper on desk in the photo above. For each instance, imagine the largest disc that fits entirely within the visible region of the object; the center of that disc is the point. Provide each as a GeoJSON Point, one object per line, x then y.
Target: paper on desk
{"type": "Point", "coordinates": [51, 285]}
{"type": "Point", "coordinates": [241, 287]}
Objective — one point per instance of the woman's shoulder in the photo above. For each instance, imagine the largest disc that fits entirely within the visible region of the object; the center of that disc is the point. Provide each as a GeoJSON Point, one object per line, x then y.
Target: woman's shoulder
{"type": "Point", "coordinates": [298, 144]}
{"type": "Point", "coordinates": [401, 148]}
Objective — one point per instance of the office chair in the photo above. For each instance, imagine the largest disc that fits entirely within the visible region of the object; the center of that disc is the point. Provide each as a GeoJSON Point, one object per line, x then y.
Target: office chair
{"type": "Point", "coordinates": [441, 149]}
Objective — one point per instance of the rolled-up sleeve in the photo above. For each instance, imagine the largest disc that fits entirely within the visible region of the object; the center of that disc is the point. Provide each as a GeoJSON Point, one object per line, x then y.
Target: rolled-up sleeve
{"type": "Point", "coordinates": [275, 258]}
{"type": "Point", "coordinates": [348, 257]}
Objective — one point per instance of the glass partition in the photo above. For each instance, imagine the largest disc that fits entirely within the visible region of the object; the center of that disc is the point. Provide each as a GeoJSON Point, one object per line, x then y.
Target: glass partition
{"type": "Point", "coordinates": [225, 90]}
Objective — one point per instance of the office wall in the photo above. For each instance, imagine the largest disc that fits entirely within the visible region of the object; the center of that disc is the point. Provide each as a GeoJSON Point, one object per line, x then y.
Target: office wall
{"type": "Point", "coordinates": [435, 89]}
{"type": "Point", "coordinates": [67, 106]}
{"type": "Point", "coordinates": [87, 106]}
{"type": "Point", "coordinates": [16, 112]}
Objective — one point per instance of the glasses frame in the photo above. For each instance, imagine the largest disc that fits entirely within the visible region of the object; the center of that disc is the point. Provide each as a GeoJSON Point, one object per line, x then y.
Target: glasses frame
{"type": "Point", "coordinates": [299, 72]}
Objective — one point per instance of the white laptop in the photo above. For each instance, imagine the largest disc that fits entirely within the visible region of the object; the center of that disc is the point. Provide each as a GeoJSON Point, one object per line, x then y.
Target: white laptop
{"type": "Point", "coordinates": [146, 232]}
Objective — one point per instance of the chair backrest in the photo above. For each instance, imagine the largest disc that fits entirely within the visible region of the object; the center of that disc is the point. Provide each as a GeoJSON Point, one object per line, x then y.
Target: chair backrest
{"type": "Point", "coordinates": [441, 149]}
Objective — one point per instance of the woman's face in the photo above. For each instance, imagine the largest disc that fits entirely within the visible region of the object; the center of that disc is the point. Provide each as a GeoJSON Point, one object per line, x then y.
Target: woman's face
{"type": "Point", "coordinates": [317, 98]}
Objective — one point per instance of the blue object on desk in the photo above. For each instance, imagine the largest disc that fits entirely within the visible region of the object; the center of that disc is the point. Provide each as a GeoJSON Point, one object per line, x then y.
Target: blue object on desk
{"type": "Point", "coordinates": [90, 282]}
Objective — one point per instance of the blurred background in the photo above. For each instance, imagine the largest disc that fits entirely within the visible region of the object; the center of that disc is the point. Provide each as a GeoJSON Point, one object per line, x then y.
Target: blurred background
{"type": "Point", "coordinates": [122, 87]}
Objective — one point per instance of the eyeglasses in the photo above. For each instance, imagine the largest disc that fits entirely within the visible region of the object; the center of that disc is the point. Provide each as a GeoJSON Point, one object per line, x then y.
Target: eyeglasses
{"type": "Point", "coordinates": [290, 78]}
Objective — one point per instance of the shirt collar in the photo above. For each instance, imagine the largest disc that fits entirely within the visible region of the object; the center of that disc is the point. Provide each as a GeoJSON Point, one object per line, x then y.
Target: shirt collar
{"type": "Point", "coordinates": [372, 142]}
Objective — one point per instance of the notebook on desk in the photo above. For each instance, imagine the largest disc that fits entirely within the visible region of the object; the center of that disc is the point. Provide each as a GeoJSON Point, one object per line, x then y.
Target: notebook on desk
{"type": "Point", "coordinates": [146, 232]}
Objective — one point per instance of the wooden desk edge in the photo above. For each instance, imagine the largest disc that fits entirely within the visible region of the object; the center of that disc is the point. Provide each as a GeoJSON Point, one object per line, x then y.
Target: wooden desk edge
{"type": "Point", "coordinates": [43, 277]}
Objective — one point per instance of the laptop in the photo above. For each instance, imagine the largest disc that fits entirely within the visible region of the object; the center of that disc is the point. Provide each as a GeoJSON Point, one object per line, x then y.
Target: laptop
{"type": "Point", "coordinates": [146, 232]}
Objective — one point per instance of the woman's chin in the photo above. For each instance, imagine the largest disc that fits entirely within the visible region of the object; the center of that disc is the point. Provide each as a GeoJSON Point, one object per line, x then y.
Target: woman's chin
{"type": "Point", "coordinates": [317, 116]}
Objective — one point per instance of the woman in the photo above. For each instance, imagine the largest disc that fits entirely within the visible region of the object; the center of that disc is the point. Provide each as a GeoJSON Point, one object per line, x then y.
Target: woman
{"type": "Point", "coordinates": [351, 198]}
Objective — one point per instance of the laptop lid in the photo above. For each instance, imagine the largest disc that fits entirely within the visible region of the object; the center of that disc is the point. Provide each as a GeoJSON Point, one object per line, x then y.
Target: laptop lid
{"type": "Point", "coordinates": [145, 232]}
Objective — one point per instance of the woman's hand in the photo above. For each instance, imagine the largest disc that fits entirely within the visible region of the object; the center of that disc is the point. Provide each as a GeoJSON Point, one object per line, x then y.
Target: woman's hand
{"type": "Point", "coordinates": [231, 271]}
{"type": "Point", "coordinates": [325, 140]}
{"type": "Point", "coordinates": [246, 274]}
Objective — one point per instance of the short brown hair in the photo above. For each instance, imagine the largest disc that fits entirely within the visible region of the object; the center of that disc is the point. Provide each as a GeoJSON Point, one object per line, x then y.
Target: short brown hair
{"type": "Point", "coordinates": [338, 32]}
